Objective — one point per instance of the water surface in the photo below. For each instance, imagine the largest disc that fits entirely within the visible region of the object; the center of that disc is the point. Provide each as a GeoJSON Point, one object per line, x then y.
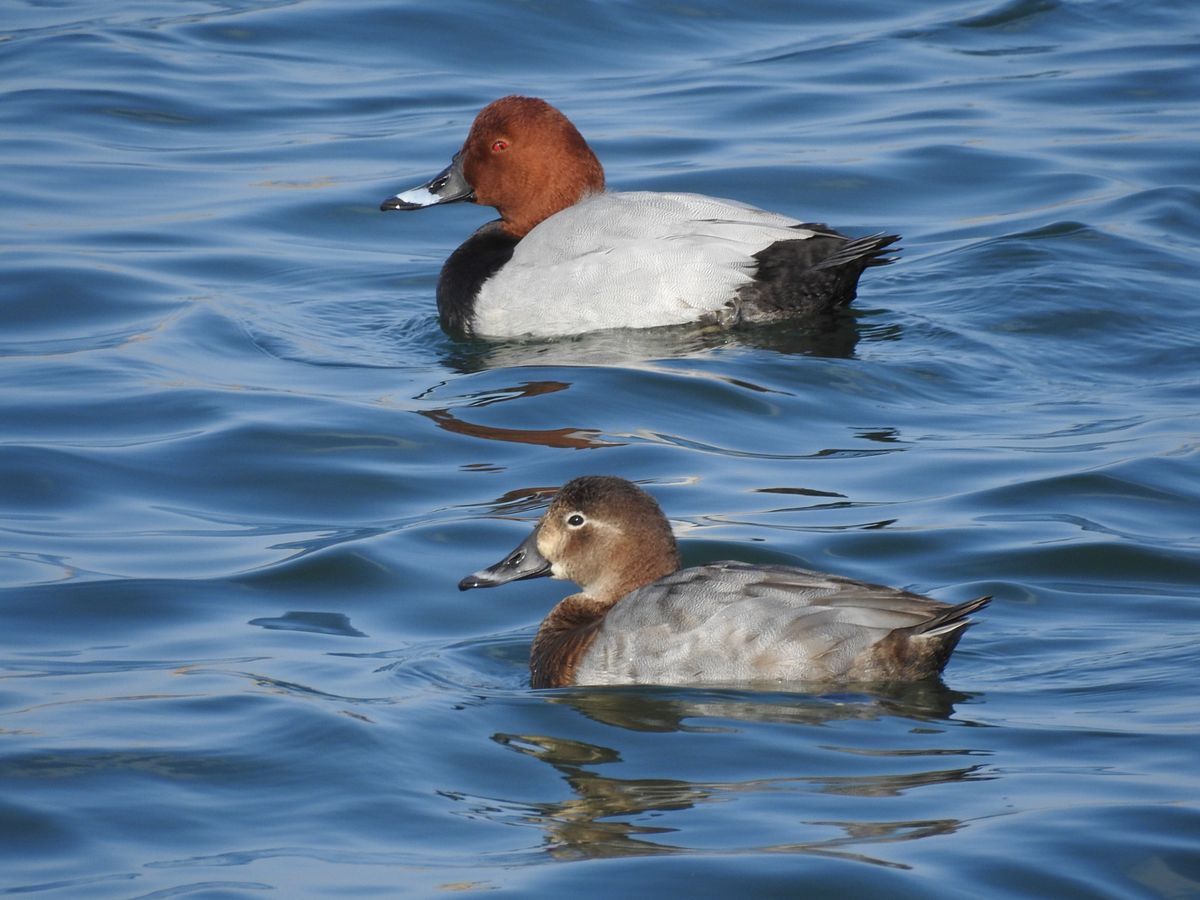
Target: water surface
{"type": "Point", "coordinates": [242, 470]}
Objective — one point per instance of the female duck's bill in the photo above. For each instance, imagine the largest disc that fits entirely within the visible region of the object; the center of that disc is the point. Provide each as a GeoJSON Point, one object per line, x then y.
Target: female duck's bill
{"type": "Point", "coordinates": [524, 562]}
{"type": "Point", "coordinates": [639, 618]}
{"type": "Point", "coordinates": [566, 256]}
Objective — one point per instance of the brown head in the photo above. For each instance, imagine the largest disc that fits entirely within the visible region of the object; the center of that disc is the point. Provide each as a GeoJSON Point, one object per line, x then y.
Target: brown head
{"type": "Point", "coordinates": [523, 157]}
{"type": "Point", "coordinates": [609, 537]}
{"type": "Point", "coordinates": [526, 159]}
{"type": "Point", "coordinates": [603, 533]}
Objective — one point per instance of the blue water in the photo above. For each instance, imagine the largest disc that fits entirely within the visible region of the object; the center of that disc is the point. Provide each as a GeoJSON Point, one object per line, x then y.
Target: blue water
{"type": "Point", "coordinates": [242, 469]}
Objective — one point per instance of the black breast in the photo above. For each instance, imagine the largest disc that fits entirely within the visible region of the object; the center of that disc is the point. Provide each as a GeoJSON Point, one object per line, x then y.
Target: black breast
{"type": "Point", "coordinates": [468, 267]}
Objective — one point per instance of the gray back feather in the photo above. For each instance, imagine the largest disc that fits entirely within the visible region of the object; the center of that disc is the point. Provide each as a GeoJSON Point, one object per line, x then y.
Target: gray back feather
{"type": "Point", "coordinates": [735, 622]}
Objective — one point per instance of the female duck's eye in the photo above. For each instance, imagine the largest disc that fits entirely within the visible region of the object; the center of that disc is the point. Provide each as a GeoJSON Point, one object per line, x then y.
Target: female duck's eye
{"type": "Point", "coordinates": [575, 520]}
{"type": "Point", "coordinates": [497, 146]}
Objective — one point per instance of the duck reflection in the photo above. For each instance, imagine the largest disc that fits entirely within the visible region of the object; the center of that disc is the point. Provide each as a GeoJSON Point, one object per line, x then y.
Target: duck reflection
{"type": "Point", "coordinates": [834, 336]}
{"type": "Point", "coordinates": [452, 409]}
{"type": "Point", "coordinates": [561, 438]}
{"type": "Point", "coordinates": [596, 822]}
{"type": "Point", "coordinates": [668, 709]}
{"type": "Point", "coordinates": [569, 438]}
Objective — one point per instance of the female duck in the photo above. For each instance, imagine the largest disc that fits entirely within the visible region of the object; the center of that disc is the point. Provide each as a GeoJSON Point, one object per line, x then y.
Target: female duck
{"type": "Point", "coordinates": [640, 619]}
{"type": "Point", "coordinates": [566, 257]}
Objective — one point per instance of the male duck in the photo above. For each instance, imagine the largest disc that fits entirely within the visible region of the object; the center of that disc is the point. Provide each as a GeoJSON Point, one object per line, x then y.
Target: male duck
{"type": "Point", "coordinates": [640, 619]}
{"type": "Point", "coordinates": [566, 256]}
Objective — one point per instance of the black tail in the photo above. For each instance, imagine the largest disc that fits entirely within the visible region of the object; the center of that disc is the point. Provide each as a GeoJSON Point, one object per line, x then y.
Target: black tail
{"type": "Point", "coordinates": [867, 251]}
{"type": "Point", "coordinates": [810, 276]}
{"type": "Point", "coordinates": [925, 648]}
{"type": "Point", "coordinates": [951, 620]}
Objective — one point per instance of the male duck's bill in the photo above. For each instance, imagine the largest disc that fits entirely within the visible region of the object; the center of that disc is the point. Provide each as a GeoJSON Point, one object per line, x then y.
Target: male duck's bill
{"type": "Point", "coordinates": [447, 186]}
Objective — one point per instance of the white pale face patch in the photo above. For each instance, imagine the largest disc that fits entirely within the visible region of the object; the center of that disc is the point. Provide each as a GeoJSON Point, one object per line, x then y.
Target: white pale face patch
{"type": "Point", "coordinates": [547, 551]}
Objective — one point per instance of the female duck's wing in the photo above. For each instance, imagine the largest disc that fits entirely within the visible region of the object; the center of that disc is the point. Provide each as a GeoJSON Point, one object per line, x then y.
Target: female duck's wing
{"type": "Point", "coordinates": [736, 622]}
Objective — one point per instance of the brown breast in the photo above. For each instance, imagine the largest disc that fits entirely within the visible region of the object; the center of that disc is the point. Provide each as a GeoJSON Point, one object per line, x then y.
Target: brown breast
{"type": "Point", "coordinates": [562, 640]}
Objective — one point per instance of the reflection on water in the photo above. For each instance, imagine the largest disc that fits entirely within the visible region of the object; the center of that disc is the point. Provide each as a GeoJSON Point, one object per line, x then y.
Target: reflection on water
{"type": "Point", "coordinates": [567, 437]}
{"type": "Point", "coordinates": [694, 386]}
{"type": "Point", "coordinates": [603, 818]}
{"type": "Point", "coordinates": [312, 622]}
{"type": "Point", "coordinates": [669, 710]}
{"type": "Point", "coordinates": [834, 337]}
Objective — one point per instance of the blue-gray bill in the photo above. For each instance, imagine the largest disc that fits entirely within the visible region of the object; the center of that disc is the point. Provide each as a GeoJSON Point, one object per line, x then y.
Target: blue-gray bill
{"type": "Point", "coordinates": [447, 186]}
{"type": "Point", "coordinates": [524, 562]}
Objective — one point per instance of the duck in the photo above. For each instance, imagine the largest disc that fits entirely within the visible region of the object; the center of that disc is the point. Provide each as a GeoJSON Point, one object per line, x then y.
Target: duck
{"type": "Point", "coordinates": [568, 256]}
{"type": "Point", "coordinates": [641, 619]}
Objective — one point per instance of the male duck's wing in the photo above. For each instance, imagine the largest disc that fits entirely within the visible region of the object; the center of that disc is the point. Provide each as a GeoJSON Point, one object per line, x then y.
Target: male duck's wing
{"type": "Point", "coordinates": [629, 260]}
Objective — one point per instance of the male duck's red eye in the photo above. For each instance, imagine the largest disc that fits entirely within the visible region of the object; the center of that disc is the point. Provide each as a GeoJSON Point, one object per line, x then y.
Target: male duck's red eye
{"type": "Point", "coordinates": [498, 146]}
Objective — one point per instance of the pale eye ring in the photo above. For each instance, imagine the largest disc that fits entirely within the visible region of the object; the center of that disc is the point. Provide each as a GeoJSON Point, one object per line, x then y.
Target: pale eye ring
{"type": "Point", "coordinates": [576, 520]}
